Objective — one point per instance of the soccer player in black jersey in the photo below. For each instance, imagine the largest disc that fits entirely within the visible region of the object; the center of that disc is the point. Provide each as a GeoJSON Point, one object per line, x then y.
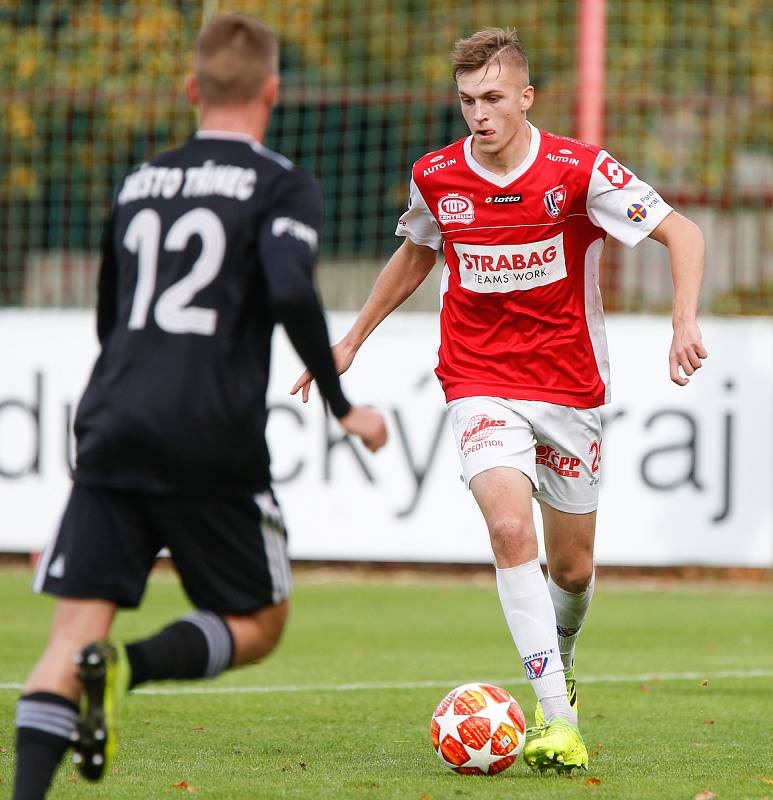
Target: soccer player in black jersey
{"type": "Point", "coordinates": [206, 248]}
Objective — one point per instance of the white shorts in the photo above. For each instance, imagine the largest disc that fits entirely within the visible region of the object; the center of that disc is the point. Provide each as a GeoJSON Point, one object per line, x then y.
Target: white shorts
{"type": "Point", "coordinates": [557, 447]}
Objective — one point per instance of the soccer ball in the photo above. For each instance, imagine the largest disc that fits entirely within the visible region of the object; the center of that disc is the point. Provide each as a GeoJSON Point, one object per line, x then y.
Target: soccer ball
{"type": "Point", "coordinates": [478, 729]}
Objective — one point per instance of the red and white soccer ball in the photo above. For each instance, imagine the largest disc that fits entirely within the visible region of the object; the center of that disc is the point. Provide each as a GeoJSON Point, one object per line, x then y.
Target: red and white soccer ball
{"type": "Point", "coordinates": [478, 729]}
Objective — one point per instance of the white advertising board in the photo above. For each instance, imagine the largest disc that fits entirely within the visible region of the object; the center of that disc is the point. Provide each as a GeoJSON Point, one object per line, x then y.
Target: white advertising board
{"type": "Point", "coordinates": [687, 472]}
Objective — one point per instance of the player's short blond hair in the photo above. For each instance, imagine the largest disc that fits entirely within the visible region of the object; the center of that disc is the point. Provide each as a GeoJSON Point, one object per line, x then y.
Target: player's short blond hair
{"type": "Point", "coordinates": [489, 46]}
{"type": "Point", "coordinates": [235, 54]}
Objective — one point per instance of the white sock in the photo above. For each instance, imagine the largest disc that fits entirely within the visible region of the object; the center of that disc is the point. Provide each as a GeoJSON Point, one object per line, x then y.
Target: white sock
{"type": "Point", "coordinates": [529, 612]}
{"type": "Point", "coordinates": [570, 610]}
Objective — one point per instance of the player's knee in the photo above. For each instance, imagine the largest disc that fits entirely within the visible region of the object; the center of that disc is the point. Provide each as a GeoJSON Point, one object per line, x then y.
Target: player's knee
{"type": "Point", "coordinates": [510, 536]}
{"type": "Point", "coordinates": [573, 577]}
{"type": "Point", "coordinates": [270, 632]}
{"type": "Point", "coordinates": [256, 635]}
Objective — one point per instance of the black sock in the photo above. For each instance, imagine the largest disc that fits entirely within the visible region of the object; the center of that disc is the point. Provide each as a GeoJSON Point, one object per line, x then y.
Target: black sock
{"type": "Point", "coordinates": [44, 722]}
{"type": "Point", "coordinates": [197, 646]}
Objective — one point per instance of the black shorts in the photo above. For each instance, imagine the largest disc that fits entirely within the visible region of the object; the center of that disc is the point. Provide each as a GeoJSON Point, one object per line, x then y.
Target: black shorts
{"type": "Point", "coordinates": [231, 553]}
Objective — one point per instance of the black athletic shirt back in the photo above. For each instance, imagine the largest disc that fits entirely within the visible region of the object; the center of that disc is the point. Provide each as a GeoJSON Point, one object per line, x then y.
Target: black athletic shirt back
{"type": "Point", "coordinates": [206, 248]}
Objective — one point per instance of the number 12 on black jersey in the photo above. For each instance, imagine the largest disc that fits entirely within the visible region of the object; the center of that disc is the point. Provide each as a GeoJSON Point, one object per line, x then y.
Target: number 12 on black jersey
{"type": "Point", "coordinates": [172, 312]}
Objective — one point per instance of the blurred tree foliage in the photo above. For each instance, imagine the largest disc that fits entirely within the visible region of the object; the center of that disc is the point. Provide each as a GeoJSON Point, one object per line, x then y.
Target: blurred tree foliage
{"type": "Point", "coordinates": [94, 86]}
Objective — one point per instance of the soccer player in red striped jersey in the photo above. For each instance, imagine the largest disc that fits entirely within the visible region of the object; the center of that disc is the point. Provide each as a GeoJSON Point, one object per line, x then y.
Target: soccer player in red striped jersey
{"type": "Point", "coordinates": [522, 216]}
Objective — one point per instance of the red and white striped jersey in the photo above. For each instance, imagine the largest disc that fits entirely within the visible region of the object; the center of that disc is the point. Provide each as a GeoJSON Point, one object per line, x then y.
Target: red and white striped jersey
{"type": "Point", "coordinates": [521, 313]}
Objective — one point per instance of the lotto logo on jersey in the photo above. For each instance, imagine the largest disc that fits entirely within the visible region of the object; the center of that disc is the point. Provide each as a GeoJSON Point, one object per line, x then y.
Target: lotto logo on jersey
{"type": "Point", "coordinates": [615, 173]}
{"type": "Point", "coordinates": [558, 462]}
{"type": "Point", "coordinates": [510, 267]}
{"type": "Point", "coordinates": [454, 207]}
{"type": "Point", "coordinates": [504, 199]}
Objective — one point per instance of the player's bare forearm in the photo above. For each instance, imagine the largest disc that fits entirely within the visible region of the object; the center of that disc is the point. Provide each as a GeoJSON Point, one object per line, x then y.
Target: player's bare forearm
{"type": "Point", "coordinates": [686, 249]}
{"type": "Point", "coordinates": [403, 274]}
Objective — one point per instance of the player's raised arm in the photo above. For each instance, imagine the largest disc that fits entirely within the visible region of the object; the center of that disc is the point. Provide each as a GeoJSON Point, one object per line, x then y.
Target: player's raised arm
{"type": "Point", "coordinates": [402, 275]}
{"type": "Point", "coordinates": [288, 249]}
{"type": "Point", "coordinates": [686, 249]}
{"type": "Point", "coordinates": [404, 272]}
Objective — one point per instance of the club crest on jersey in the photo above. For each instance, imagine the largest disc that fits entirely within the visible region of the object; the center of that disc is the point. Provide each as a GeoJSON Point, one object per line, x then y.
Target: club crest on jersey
{"type": "Point", "coordinates": [455, 207]}
{"type": "Point", "coordinates": [554, 200]}
{"type": "Point", "coordinates": [535, 667]}
{"type": "Point", "coordinates": [637, 212]}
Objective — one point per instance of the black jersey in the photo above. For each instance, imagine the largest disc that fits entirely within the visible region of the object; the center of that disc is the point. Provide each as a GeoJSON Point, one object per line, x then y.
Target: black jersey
{"type": "Point", "coordinates": [206, 248]}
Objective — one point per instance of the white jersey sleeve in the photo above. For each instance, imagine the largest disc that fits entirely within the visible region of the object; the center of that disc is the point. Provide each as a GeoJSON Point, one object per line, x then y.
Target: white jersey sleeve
{"type": "Point", "coordinates": [624, 206]}
{"type": "Point", "coordinates": [417, 222]}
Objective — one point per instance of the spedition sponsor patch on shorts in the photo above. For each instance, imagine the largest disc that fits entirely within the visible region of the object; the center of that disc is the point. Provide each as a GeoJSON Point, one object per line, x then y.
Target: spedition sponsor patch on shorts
{"type": "Point", "coordinates": [477, 433]}
{"type": "Point", "coordinates": [511, 267]}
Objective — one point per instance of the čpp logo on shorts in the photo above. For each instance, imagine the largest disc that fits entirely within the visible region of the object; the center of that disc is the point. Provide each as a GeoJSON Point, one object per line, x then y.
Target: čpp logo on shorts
{"type": "Point", "coordinates": [558, 462]}
{"type": "Point", "coordinates": [480, 427]}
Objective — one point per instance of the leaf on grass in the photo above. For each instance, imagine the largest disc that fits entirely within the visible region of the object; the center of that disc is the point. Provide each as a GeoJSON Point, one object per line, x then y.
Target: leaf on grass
{"type": "Point", "coordinates": [704, 683]}
{"type": "Point", "coordinates": [644, 687]}
{"type": "Point", "coordinates": [199, 728]}
{"type": "Point", "coordinates": [767, 780]}
{"type": "Point", "coordinates": [302, 764]}
{"type": "Point", "coordinates": [707, 795]}
{"type": "Point", "coordinates": [73, 779]}
{"type": "Point", "coordinates": [185, 786]}
{"type": "Point", "coordinates": [592, 781]}
{"type": "Point", "coordinates": [708, 721]}
{"type": "Point", "coordinates": [426, 796]}
{"type": "Point", "coordinates": [599, 716]}
{"type": "Point", "coordinates": [3, 750]}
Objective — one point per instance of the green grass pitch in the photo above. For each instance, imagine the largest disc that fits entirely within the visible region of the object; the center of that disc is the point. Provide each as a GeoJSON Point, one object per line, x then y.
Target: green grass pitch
{"type": "Point", "coordinates": [342, 709]}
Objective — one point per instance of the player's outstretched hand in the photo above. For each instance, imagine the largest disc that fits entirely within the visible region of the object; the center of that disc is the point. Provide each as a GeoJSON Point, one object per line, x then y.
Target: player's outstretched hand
{"type": "Point", "coordinates": [343, 355]}
{"type": "Point", "coordinates": [687, 351]}
{"type": "Point", "coordinates": [368, 424]}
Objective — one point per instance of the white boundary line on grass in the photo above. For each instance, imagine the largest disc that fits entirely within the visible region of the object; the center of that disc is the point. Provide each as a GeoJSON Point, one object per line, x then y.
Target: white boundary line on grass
{"type": "Point", "coordinates": [652, 677]}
